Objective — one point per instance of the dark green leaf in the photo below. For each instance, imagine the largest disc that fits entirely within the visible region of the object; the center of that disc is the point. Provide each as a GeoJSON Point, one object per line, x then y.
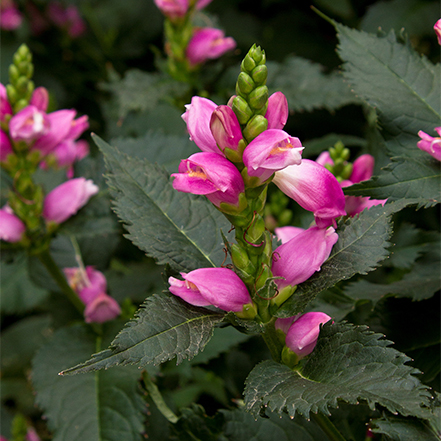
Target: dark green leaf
{"type": "Point", "coordinates": [177, 228]}
{"type": "Point", "coordinates": [164, 328]}
{"type": "Point", "coordinates": [349, 363]}
{"type": "Point", "coordinates": [361, 245]}
{"type": "Point", "coordinates": [105, 406]}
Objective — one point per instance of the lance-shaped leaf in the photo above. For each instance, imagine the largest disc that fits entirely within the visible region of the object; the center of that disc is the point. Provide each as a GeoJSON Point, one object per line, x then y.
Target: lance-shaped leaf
{"type": "Point", "coordinates": [164, 327]}
{"type": "Point", "coordinates": [172, 227]}
{"type": "Point", "coordinates": [104, 406]}
{"type": "Point", "coordinates": [403, 86]}
{"type": "Point", "coordinates": [362, 244]}
{"type": "Point", "coordinates": [349, 363]}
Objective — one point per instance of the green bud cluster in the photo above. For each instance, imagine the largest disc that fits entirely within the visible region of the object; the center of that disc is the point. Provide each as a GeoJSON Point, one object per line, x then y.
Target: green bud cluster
{"type": "Point", "coordinates": [20, 78]}
{"type": "Point", "coordinates": [341, 168]}
{"type": "Point", "coordinates": [251, 101]}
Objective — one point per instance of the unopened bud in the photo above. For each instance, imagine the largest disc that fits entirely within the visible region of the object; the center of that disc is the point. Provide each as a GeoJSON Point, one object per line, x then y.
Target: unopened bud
{"type": "Point", "coordinates": [242, 110]}
{"type": "Point", "coordinates": [20, 104]}
{"type": "Point", "coordinates": [256, 230]}
{"type": "Point", "coordinates": [13, 73]}
{"type": "Point", "coordinates": [21, 84]}
{"type": "Point", "coordinates": [245, 84]}
{"type": "Point", "coordinates": [248, 64]}
{"type": "Point", "coordinates": [255, 126]}
{"type": "Point", "coordinates": [260, 74]}
{"type": "Point", "coordinates": [12, 93]}
{"type": "Point", "coordinates": [347, 171]}
{"type": "Point", "coordinates": [257, 54]}
{"type": "Point", "coordinates": [258, 97]}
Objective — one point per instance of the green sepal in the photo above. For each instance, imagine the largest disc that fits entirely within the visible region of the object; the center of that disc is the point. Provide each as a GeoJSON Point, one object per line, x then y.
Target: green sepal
{"type": "Point", "coordinates": [241, 261]}
{"type": "Point", "coordinates": [289, 358]}
{"type": "Point", "coordinates": [263, 277]}
{"type": "Point", "coordinates": [242, 110]}
{"type": "Point", "coordinates": [258, 97]}
{"type": "Point", "coordinates": [249, 311]}
{"type": "Point", "coordinates": [233, 155]}
{"type": "Point", "coordinates": [234, 209]}
{"type": "Point", "coordinates": [245, 84]}
{"type": "Point", "coordinates": [255, 126]}
{"type": "Point", "coordinates": [284, 294]}
{"type": "Point", "coordinates": [260, 74]}
{"type": "Point", "coordinates": [255, 230]}
{"type": "Point", "coordinates": [347, 171]}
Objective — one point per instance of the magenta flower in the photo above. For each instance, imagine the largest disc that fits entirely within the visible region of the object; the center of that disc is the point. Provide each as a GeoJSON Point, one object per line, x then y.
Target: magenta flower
{"type": "Point", "coordinates": [220, 287]}
{"type": "Point", "coordinates": [208, 43]}
{"type": "Point", "coordinates": [65, 200]}
{"type": "Point", "coordinates": [11, 227]}
{"type": "Point", "coordinates": [225, 128]}
{"type": "Point", "coordinates": [40, 99]}
{"type": "Point", "coordinates": [102, 309]}
{"type": "Point", "coordinates": [271, 151]}
{"type": "Point", "coordinates": [173, 9]}
{"type": "Point", "coordinates": [10, 17]}
{"type": "Point", "coordinates": [198, 117]}
{"type": "Point", "coordinates": [302, 335]}
{"type": "Point", "coordinates": [284, 234]}
{"type": "Point", "coordinates": [437, 28]}
{"type": "Point", "coordinates": [5, 146]}
{"type": "Point", "coordinates": [29, 124]}
{"type": "Point", "coordinates": [212, 175]}
{"type": "Point", "coordinates": [283, 324]}
{"type": "Point", "coordinates": [5, 106]}
{"type": "Point", "coordinates": [299, 258]}
{"type": "Point", "coordinates": [68, 18]}
{"type": "Point", "coordinates": [277, 112]}
{"type": "Point", "coordinates": [429, 144]}
{"type": "Point", "coordinates": [315, 189]}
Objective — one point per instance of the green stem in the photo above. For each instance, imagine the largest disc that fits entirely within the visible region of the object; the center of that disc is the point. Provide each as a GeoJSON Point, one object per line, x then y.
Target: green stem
{"type": "Point", "coordinates": [272, 340]}
{"type": "Point", "coordinates": [327, 426]}
{"type": "Point", "coordinates": [156, 396]}
{"type": "Point", "coordinates": [49, 263]}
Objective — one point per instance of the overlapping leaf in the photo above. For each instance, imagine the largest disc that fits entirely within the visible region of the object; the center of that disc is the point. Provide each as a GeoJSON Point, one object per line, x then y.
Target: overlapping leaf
{"type": "Point", "coordinates": [172, 227]}
{"type": "Point", "coordinates": [164, 328]}
{"type": "Point", "coordinates": [105, 406]}
{"type": "Point", "coordinates": [349, 363]}
{"type": "Point", "coordinates": [362, 244]}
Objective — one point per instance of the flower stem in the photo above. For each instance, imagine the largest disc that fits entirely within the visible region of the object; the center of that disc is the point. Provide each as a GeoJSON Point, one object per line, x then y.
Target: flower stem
{"type": "Point", "coordinates": [327, 426]}
{"type": "Point", "coordinates": [272, 340]}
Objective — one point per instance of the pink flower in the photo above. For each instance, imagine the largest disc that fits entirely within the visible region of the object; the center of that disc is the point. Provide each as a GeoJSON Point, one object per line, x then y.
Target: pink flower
{"type": "Point", "coordinates": [68, 18]}
{"type": "Point", "coordinates": [29, 124]}
{"type": "Point", "coordinates": [271, 151]}
{"type": "Point", "coordinates": [299, 258]}
{"type": "Point", "coordinates": [65, 200]}
{"type": "Point", "coordinates": [430, 144]}
{"type": "Point", "coordinates": [283, 324]}
{"type": "Point", "coordinates": [11, 227]}
{"type": "Point", "coordinates": [220, 287]}
{"type": "Point", "coordinates": [284, 234]}
{"type": "Point", "coordinates": [102, 309]}
{"type": "Point", "coordinates": [10, 17]}
{"type": "Point", "coordinates": [437, 28]}
{"type": "Point", "coordinates": [32, 435]}
{"type": "Point", "coordinates": [5, 146]}
{"type": "Point", "coordinates": [173, 9]}
{"type": "Point", "coordinates": [212, 175]}
{"type": "Point", "coordinates": [40, 99]}
{"type": "Point", "coordinates": [208, 43]}
{"type": "Point", "coordinates": [314, 188]}
{"type": "Point", "coordinates": [5, 106]}
{"type": "Point", "coordinates": [302, 335]}
{"type": "Point", "coordinates": [225, 128]}
{"type": "Point", "coordinates": [277, 112]}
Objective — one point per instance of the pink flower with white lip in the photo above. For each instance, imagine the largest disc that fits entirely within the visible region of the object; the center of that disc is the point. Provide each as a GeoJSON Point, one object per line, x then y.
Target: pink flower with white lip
{"type": "Point", "coordinates": [220, 287]}
{"type": "Point", "coordinates": [29, 124]}
{"type": "Point", "coordinates": [225, 128]}
{"type": "Point", "coordinates": [437, 28]}
{"type": "Point", "coordinates": [208, 43]}
{"type": "Point", "coordinates": [198, 117]}
{"type": "Point", "coordinates": [10, 17]}
{"type": "Point", "coordinates": [11, 227]}
{"type": "Point", "coordinates": [315, 189]}
{"type": "Point", "coordinates": [5, 106]}
{"type": "Point", "coordinates": [302, 335]}
{"type": "Point", "coordinates": [65, 200]}
{"type": "Point", "coordinates": [5, 146]}
{"type": "Point", "coordinates": [212, 175]}
{"type": "Point", "coordinates": [299, 258]}
{"type": "Point", "coordinates": [277, 111]}
{"type": "Point", "coordinates": [271, 151]}
{"type": "Point", "coordinates": [429, 144]}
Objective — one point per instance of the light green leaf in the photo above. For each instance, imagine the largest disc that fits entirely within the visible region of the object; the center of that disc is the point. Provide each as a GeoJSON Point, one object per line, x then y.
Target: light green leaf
{"type": "Point", "coordinates": [104, 406]}
{"type": "Point", "coordinates": [349, 363]}
{"type": "Point", "coordinates": [164, 327]}
{"type": "Point", "coordinates": [177, 228]}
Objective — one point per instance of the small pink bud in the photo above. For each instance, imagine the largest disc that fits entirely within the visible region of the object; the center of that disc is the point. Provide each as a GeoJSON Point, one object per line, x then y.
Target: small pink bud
{"type": "Point", "coordinates": [5, 146]}
{"type": "Point", "coordinates": [11, 227]}
{"type": "Point", "coordinates": [303, 333]}
{"type": "Point", "coordinates": [437, 28]}
{"type": "Point", "coordinates": [277, 112]}
{"type": "Point", "coordinates": [324, 158]}
{"type": "Point", "coordinates": [65, 200]}
{"type": "Point", "coordinates": [40, 99]}
{"type": "Point", "coordinates": [29, 124]}
{"type": "Point", "coordinates": [429, 144]}
{"type": "Point", "coordinates": [102, 309]}
{"type": "Point", "coordinates": [220, 287]}
{"type": "Point", "coordinates": [5, 106]}
{"type": "Point", "coordinates": [225, 128]}
{"type": "Point", "coordinates": [208, 43]}
{"type": "Point", "coordinates": [173, 9]}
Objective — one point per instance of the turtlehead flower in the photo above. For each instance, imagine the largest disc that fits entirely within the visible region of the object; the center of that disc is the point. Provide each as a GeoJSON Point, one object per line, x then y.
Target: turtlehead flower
{"type": "Point", "coordinates": [271, 151]}
{"type": "Point", "coordinates": [299, 258]}
{"type": "Point", "coordinates": [10, 17]}
{"type": "Point", "coordinates": [207, 44]}
{"type": "Point", "coordinates": [437, 28]}
{"type": "Point", "coordinates": [102, 309]}
{"type": "Point", "coordinates": [428, 143]}
{"type": "Point", "coordinates": [303, 333]}
{"type": "Point", "coordinates": [315, 189]}
{"type": "Point", "coordinates": [225, 128]}
{"type": "Point", "coordinates": [5, 146]}
{"type": "Point", "coordinates": [11, 227]}
{"type": "Point", "coordinates": [284, 234]}
{"type": "Point", "coordinates": [29, 124]}
{"type": "Point", "coordinates": [40, 99]}
{"type": "Point", "coordinates": [212, 175]}
{"type": "Point", "coordinates": [5, 106]}
{"type": "Point", "coordinates": [220, 287]}
{"type": "Point", "coordinates": [65, 200]}
{"type": "Point", "coordinates": [277, 111]}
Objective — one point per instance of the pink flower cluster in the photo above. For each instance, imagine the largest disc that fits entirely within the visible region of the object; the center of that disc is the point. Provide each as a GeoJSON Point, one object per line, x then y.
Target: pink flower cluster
{"type": "Point", "coordinates": [91, 286]}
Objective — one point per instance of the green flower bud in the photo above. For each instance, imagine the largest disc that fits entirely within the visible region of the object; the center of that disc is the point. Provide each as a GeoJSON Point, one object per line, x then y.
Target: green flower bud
{"type": "Point", "coordinates": [347, 171]}
{"type": "Point", "coordinates": [242, 110]}
{"type": "Point", "coordinates": [260, 74]}
{"type": "Point", "coordinates": [255, 230]}
{"type": "Point", "coordinates": [263, 277]}
{"type": "Point", "coordinates": [346, 153]}
{"type": "Point", "coordinates": [258, 97]}
{"type": "Point", "coordinates": [12, 93]}
{"type": "Point", "coordinates": [248, 64]}
{"type": "Point", "coordinates": [20, 104]}
{"type": "Point", "coordinates": [21, 84]}
{"type": "Point", "coordinates": [255, 126]}
{"type": "Point", "coordinates": [242, 262]}
{"type": "Point", "coordinates": [245, 84]}
{"type": "Point", "coordinates": [257, 54]}
{"type": "Point", "coordinates": [14, 74]}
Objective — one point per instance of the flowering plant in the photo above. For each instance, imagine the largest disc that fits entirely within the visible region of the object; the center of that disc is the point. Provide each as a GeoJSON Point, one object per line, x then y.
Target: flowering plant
{"type": "Point", "coordinates": [236, 267]}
